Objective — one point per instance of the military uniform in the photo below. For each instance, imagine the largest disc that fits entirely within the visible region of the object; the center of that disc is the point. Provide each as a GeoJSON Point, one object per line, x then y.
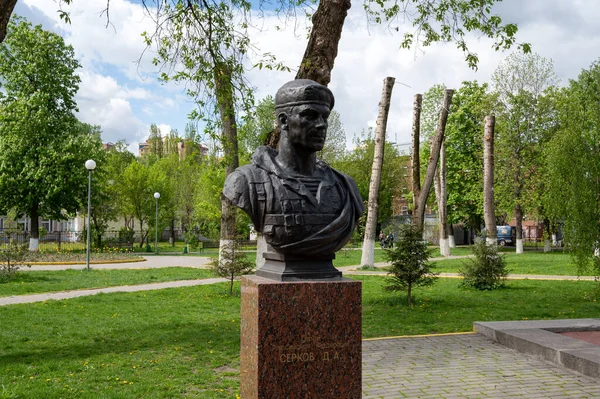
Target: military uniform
{"type": "Point", "coordinates": [298, 215]}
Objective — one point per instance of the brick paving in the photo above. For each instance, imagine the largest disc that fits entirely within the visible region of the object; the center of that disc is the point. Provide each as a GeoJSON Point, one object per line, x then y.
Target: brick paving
{"type": "Point", "coordinates": [466, 366]}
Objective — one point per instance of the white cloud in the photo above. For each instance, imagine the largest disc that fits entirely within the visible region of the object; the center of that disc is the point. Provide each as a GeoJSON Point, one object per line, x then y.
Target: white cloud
{"type": "Point", "coordinates": [125, 98]}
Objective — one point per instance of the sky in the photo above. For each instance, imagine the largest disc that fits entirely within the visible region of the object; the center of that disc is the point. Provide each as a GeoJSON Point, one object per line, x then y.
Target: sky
{"type": "Point", "coordinates": [120, 91]}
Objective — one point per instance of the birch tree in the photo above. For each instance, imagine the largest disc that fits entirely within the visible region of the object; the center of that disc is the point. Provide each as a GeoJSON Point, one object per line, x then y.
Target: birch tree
{"type": "Point", "coordinates": [489, 213]}
{"type": "Point", "coordinates": [368, 249]}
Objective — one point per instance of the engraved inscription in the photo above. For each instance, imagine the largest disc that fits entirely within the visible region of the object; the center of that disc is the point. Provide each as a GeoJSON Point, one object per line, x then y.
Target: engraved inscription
{"type": "Point", "coordinates": [312, 349]}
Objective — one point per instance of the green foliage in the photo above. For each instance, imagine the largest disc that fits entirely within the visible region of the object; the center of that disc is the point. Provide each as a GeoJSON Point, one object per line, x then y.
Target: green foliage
{"type": "Point", "coordinates": [464, 152]}
{"type": "Point", "coordinates": [524, 125]}
{"type": "Point", "coordinates": [358, 164]}
{"type": "Point", "coordinates": [409, 262]}
{"type": "Point", "coordinates": [43, 146]}
{"type": "Point", "coordinates": [253, 132]}
{"type": "Point", "coordinates": [486, 270]}
{"type": "Point", "coordinates": [445, 21]}
{"type": "Point", "coordinates": [232, 263]}
{"type": "Point", "coordinates": [573, 164]}
{"type": "Point", "coordinates": [12, 255]}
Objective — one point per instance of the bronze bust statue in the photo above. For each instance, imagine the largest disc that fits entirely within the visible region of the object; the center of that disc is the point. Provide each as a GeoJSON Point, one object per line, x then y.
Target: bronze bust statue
{"type": "Point", "coordinates": [305, 209]}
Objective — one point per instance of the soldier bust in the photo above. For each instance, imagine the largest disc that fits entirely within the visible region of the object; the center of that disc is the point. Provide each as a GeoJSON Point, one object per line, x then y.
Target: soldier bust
{"type": "Point", "coordinates": [306, 210]}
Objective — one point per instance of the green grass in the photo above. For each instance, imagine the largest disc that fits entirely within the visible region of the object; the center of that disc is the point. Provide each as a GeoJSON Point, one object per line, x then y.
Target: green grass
{"type": "Point", "coordinates": [29, 282]}
{"type": "Point", "coordinates": [551, 263]}
{"type": "Point", "coordinates": [184, 342]}
{"type": "Point", "coordinates": [445, 307]}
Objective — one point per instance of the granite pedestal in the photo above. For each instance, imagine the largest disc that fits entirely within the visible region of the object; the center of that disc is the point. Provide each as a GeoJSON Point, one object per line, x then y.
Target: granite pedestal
{"type": "Point", "coordinates": [300, 339]}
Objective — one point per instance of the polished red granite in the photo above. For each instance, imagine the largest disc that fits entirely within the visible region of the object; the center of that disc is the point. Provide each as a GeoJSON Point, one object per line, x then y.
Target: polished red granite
{"type": "Point", "coordinates": [592, 337]}
{"type": "Point", "coordinates": [300, 339]}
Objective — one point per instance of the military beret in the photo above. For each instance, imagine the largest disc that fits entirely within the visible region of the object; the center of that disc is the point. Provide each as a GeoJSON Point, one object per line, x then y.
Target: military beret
{"type": "Point", "coordinates": [303, 91]}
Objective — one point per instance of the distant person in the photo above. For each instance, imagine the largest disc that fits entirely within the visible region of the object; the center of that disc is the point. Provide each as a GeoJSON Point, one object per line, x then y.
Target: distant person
{"type": "Point", "coordinates": [390, 239]}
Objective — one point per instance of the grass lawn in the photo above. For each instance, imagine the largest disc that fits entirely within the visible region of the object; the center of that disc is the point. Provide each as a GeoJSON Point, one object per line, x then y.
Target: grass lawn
{"type": "Point", "coordinates": [184, 342]}
{"type": "Point", "coordinates": [551, 263]}
{"type": "Point", "coordinates": [29, 282]}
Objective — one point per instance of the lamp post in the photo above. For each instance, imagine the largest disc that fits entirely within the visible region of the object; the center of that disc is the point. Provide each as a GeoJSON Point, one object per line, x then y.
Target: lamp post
{"type": "Point", "coordinates": [157, 196]}
{"type": "Point", "coordinates": [90, 165]}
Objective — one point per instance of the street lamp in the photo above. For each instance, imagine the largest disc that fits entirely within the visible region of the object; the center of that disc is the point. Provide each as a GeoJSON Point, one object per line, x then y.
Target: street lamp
{"type": "Point", "coordinates": [90, 165]}
{"type": "Point", "coordinates": [157, 196]}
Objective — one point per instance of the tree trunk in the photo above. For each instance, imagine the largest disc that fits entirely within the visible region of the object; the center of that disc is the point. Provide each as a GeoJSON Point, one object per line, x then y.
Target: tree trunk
{"type": "Point", "coordinates": [519, 219]}
{"type": "Point", "coordinates": [436, 144]}
{"type": "Point", "coordinates": [172, 239]}
{"type": "Point", "coordinates": [409, 294]}
{"type": "Point", "coordinates": [6, 9]}
{"type": "Point", "coordinates": [34, 240]}
{"type": "Point", "coordinates": [488, 180]}
{"type": "Point", "coordinates": [230, 151]}
{"type": "Point", "coordinates": [442, 199]}
{"type": "Point", "coordinates": [368, 250]}
{"type": "Point", "coordinates": [451, 240]}
{"type": "Point", "coordinates": [321, 49]}
{"type": "Point", "coordinates": [416, 159]}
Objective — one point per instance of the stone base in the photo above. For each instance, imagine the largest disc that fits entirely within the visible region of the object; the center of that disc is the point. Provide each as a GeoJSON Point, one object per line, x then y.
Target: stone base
{"type": "Point", "coordinates": [283, 267]}
{"type": "Point", "coordinates": [301, 339]}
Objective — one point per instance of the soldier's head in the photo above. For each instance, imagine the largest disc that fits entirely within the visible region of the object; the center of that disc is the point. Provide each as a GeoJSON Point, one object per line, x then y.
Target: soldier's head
{"type": "Point", "coordinates": [302, 107]}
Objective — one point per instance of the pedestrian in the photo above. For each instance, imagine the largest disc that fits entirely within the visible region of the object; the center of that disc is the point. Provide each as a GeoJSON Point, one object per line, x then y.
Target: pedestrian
{"type": "Point", "coordinates": [390, 239]}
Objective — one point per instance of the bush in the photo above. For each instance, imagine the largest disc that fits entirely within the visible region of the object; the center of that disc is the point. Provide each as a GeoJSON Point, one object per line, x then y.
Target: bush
{"type": "Point", "coordinates": [409, 258]}
{"type": "Point", "coordinates": [486, 270]}
{"type": "Point", "coordinates": [233, 263]}
{"type": "Point", "coordinates": [12, 257]}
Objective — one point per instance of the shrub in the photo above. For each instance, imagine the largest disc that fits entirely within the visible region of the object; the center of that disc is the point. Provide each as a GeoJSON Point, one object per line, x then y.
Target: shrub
{"type": "Point", "coordinates": [486, 270]}
{"type": "Point", "coordinates": [409, 268]}
{"type": "Point", "coordinates": [12, 257]}
{"type": "Point", "coordinates": [233, 263]}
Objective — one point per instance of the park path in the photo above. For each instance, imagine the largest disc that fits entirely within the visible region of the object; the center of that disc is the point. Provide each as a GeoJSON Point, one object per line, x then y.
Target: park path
{"type": "Point", "coordinates": [194, 262]}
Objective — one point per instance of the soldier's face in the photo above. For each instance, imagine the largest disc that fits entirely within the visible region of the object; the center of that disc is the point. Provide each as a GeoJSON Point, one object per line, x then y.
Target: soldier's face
{"type": "Point", "coordinates": [307, 126]}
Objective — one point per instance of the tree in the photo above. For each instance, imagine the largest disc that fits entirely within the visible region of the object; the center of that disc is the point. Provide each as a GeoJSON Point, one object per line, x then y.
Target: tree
{"type": "Point", "coordinates": [138, 184]}
{"type": "Point", "coordinates": [368, 249]}
{"type": "Point", "coordinates": [155, 141]}
{"type": "Point", "coordinates": [42, 145]}
{"type": "Point", "coordinates": [520, 82]}
{"type": "Point", "coordinates": [409, 262]}
{"type": "Point", "coordinates": [422, 192]}
{"type": "Point", "coordinates": [486, 270]}
{"type": "Point", "coordinates": [335, 145]}
{"type": "Point", "coordinates": [6, 9]}
{"type": "Point", "coordinates": [464, 151]}
{"type": "Point", "coordinates": [232, 264]}
{"type": "Point", "coordinates": [573, 165]}
{"type": "Point", "coordinates": [488, 180]}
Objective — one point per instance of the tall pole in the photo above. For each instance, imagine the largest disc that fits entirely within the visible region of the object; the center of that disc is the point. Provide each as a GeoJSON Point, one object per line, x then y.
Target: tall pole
{"type": "Point", "coordinates": [157, 196]}
{"type": "Point", "coordinates": [90, 165]}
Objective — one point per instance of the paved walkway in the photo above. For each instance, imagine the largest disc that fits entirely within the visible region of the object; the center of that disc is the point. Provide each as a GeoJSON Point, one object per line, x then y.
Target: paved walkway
{"type": "Point", "coordinates": [464, 366]}
{"type": "Point", "coordinates": [150, 263]}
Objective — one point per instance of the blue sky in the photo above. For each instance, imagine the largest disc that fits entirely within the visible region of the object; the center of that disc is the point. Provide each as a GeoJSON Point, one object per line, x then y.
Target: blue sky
{"type": "Point", "coordinates": [124, 97]}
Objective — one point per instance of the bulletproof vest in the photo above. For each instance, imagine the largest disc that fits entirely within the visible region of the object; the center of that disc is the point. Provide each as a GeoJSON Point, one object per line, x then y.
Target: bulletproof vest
{"type": "Point", "coordinates": [295, 213]}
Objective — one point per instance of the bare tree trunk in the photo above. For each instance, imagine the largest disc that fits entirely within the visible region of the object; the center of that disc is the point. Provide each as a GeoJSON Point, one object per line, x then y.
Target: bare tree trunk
{"type": "Point", "coordinates": [519, 219]}
{"type": "Point", "coordinates": [230, 150]}
{"type": "Point", "coordinates": [321, 49]}
{"type": "Point", "coordinates": [34, 239]}
{"type": "Point", "coordinates": [488, 180]}
{"type": "Point", "coordinates": [436, 144]}
{"type": "Point", "coordinates": [322, 46]}
{"type": "Point", "coordinates": [441, 193]}
{"type": "Point", "coordinates": [416, 159]}
{"type": "Point", "coordinates": [6, 9]}
{"type": "Point", "coordinates": [451, 240]}
{"type": "Point", "coordinates": [368, 249]}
